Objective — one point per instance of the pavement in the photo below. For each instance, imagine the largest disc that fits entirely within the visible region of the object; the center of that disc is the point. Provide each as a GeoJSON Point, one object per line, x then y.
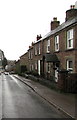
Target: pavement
{"type": "Point", "coordinates": [65, 102]}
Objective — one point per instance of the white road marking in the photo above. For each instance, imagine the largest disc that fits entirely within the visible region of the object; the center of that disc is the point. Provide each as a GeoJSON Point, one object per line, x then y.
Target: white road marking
{"type": "Point", "coordinates": [15, 80]}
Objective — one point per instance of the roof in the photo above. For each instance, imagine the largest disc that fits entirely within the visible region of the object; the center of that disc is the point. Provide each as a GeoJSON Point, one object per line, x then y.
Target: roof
{"type": "Point", "coordinates": [51, 58]}
{"type": "Point", "coordinates": [61, 27]}
{"type": "Point", "coordinates": [23, 54]}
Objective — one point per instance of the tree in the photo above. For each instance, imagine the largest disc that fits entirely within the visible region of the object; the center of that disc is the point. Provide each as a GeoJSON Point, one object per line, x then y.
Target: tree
{"type": "Point", "coordinates": [4, 62]}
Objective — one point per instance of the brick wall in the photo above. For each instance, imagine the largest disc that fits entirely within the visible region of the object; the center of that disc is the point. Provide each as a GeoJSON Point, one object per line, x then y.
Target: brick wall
{"type": "Point", "coordinates": [67, 82]}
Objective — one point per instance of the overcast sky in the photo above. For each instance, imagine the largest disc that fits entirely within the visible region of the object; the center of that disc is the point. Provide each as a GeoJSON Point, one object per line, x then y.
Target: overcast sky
{"type": "Point", "coordinates": [22, 20]}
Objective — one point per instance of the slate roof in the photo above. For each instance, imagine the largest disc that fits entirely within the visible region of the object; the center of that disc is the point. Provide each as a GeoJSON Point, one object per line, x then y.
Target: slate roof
{"type": "Point", "coordinates": [61, 27]}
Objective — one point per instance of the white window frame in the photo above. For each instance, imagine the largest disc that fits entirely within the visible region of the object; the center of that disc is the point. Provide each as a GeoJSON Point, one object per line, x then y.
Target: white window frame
{"type": "Point", "coordinates": [70, 39]}
{"type": "Point", "coordinates": [57, 43]}
{"type": "Point", "coordinates": [68, 65]}
{"type": "Point", "coordinates": [48, 45]}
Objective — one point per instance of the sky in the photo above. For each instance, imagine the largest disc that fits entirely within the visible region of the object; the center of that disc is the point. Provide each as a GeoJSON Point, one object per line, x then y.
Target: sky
{"type": "Point", "coordinates": [22, 20]}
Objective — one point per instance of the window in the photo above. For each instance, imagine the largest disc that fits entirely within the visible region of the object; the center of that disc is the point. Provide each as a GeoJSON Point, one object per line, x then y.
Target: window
{"type": "Point", "coordinates": [39, 48]}
{"type": "Point", "coordinates": [57, 43]}
{"type": "Point", "coordinates": [70, 65]}
{"type": "Point", "coordinates": [70, 39]}
{"type": "Point", "coordinates": [48, 67]}
{"type": "Point", "coordinates": [48, 46]}
{"type": "Point", "coordinates": [32, 67]}
{"type": "Point", "coordinates": [29, 54]}
{"type": "Point", "coordinates": [35, 65]}
{"type": "Point", "coordinates": [35, 50]}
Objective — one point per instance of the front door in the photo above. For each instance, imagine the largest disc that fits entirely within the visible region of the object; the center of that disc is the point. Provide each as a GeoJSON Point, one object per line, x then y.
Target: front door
{"type": "Point", "coordinates": [56, 75]}
{"type": "Point", "coordinates": [39, 67]}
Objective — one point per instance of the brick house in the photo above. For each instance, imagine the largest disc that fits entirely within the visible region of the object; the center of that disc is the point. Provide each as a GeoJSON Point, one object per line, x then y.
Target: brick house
{"type": "Point", "coordinates": [63, 42]}
{"type": "Point", "coordinates": [24, 59]}
{"type": "Point", "coordinates": [35, 56]}
{"type": "Point", "coordinates": [57, 50]}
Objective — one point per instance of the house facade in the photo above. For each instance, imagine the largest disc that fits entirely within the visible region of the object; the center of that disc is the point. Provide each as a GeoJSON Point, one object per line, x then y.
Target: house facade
{"type": "Point", "coordinates": [35, 56]}
{"type": "Point", "coordinates": [57, 50]}
{"type": "Point", "coordinates": [24, 59]}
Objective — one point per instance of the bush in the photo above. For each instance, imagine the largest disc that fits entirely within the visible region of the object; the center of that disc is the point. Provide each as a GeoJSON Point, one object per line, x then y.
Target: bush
{"type": "Point", "coordinates": [34, 73]}
{"type": "Point", "coordinates": [23, 68]}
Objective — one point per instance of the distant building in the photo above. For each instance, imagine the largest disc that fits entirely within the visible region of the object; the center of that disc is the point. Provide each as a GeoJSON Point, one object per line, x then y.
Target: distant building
{"type": "Point", "coordinates": [1, 59]}
{"type": "Point", "coordinates": [10, 65]}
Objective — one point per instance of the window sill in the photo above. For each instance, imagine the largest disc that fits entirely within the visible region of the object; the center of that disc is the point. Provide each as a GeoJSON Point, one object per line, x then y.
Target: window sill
{"type": "Point", "coordinates": [69, 49]}
{"type": "Point", "coordinates": [39, 53]}
{"type": "Point", "coordinates": [57, 51]}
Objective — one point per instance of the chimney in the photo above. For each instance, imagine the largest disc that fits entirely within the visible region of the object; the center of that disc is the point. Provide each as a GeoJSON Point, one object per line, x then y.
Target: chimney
{"type": "Point", "coordinates": [71, 13]}
{"type": "Point", "coordinates": [38, 37]}
{"type": "Point", "coordinates": [54, 23]}
{"type": "Point", "coordinates": [32, 44]}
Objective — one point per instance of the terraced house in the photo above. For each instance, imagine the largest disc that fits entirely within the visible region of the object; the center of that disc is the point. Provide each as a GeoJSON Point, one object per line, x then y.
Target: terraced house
{"type": "Point", "coordinates": [57, 50]}
{"type": "Point", "coordinates": [35, 56]}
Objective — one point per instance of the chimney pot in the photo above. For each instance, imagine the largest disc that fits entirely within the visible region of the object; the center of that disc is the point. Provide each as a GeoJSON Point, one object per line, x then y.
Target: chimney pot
{"type": "Point", "coordinates": [73, 6]}
{"type": "Point", "coordinates": [71, 13]}
{"type": "Point", "coordinates": [70, 6]}
{"type": "Point", "coordinates": [55, 19]}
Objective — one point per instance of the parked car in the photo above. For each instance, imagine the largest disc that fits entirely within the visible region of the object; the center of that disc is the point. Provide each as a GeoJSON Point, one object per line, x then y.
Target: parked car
{"type": "Point", "coordinates": [11, 72]}
{"type": "Point", "coordinates": [6, 73]}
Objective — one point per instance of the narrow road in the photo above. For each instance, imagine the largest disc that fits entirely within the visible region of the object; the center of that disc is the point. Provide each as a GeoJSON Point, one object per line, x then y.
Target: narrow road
{"type": "Point", "coordinates": [20, 101]}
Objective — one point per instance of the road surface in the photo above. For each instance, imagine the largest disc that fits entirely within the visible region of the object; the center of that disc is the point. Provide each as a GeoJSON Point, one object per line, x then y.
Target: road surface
{"type": "Point", "coordinates": [19, 101]}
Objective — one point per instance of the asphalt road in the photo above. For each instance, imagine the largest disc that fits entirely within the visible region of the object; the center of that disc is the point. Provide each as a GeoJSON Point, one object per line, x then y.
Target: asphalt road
{"type": "Point", "coordinates": [19, 101]}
